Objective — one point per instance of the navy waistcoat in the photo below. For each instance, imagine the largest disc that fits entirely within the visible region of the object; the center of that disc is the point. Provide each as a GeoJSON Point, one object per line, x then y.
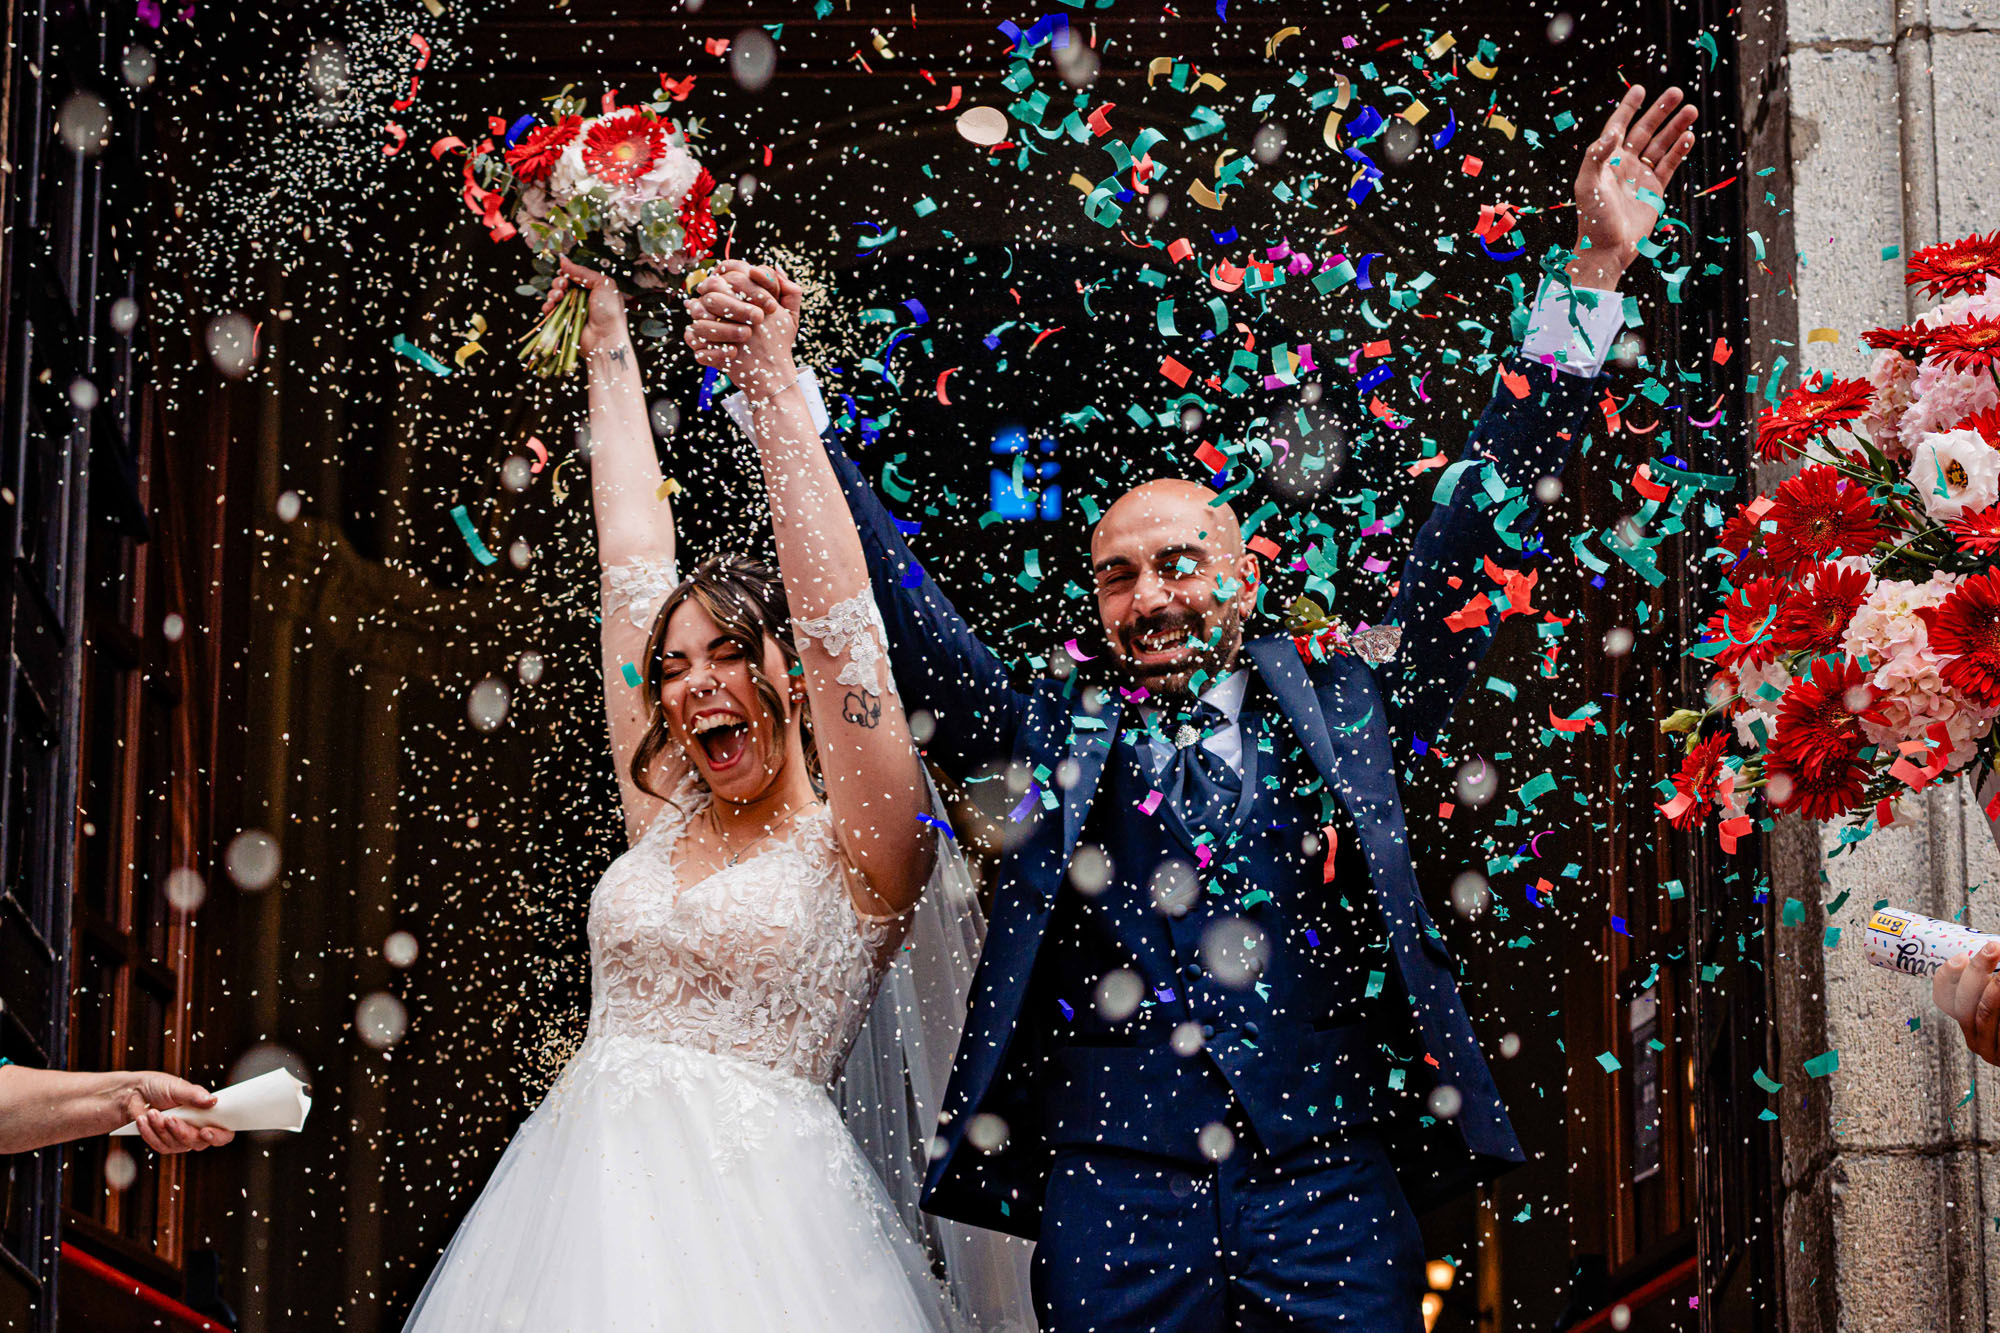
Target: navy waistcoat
{"type": "Point", "coordinates": [1262, 985]}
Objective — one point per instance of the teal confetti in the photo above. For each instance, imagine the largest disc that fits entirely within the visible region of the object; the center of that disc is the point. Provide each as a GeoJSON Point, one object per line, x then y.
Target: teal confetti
{"type": "Point", "coordinates": [471, 535]}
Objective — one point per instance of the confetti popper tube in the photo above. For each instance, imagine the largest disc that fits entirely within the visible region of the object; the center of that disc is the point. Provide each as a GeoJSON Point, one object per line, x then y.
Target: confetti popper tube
{"type": "Point", "coordinates": [1917, 945]}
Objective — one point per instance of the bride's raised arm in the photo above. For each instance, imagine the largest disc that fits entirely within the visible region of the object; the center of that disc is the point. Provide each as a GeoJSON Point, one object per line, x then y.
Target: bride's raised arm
{"type": "Point", "coordinates": [635, 528]}
{"type": "Point", "coordinates": [744, 322]}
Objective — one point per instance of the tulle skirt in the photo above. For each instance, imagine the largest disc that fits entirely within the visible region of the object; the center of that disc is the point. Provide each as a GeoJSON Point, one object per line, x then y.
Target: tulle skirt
{"type": "Point", "coordinates": [660, 1187]}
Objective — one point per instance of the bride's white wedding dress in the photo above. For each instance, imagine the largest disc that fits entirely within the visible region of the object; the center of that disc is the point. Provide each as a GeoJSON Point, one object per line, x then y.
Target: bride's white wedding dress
{"type": "Point", "coordinates": [689, 1169]}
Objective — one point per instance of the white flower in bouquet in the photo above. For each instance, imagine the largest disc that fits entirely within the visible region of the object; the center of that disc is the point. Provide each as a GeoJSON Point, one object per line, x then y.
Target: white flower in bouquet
{"type": "Point", "coordinates": [1757, 702]}
{"type": "Point", "coordinates": [1953, 471]}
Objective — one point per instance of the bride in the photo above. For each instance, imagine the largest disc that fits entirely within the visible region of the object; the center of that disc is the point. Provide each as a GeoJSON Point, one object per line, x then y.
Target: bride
{"type": "Point", "coordinates": [688, 1170]}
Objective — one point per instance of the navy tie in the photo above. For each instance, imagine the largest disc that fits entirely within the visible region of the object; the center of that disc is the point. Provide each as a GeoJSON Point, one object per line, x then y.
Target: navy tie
{"type": "Point", "coordinates": [1204, 785]}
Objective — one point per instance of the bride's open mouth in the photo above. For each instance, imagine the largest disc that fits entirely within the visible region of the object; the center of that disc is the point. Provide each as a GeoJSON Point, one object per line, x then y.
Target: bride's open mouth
{"type": "Point", "coordinates": [723, 735]}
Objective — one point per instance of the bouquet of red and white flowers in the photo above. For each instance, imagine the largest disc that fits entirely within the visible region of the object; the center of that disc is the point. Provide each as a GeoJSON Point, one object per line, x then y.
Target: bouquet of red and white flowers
{"type": "Point", "coordinates": [619, 192]}
{"type": "Point", "coordinates": [1857, 652]}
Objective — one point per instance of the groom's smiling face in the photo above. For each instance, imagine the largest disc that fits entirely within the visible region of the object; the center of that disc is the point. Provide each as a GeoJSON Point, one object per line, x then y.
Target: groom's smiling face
{"type": "Point", "coordinates": [1173, 583]}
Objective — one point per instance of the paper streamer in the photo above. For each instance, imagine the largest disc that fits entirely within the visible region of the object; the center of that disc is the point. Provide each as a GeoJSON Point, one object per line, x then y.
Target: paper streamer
{"type": "Point", "coordinates": [471, 535]}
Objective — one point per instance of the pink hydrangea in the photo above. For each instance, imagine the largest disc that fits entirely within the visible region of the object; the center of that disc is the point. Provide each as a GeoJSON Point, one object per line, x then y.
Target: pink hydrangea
{"type": "Point", "coordinates": [1887, 635]}
{"type": "Point", "coordinates": [1941, 398]}
{"type": "Point", "coordinates": [1892, 376]}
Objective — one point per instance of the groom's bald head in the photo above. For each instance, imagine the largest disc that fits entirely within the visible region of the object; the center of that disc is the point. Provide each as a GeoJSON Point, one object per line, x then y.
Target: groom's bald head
{"type": "Point", "coordinates": [1173, 582]}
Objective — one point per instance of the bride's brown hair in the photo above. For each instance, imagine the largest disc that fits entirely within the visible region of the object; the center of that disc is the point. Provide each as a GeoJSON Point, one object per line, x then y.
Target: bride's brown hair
{"type": "Point", "coordinates": [746, 600]}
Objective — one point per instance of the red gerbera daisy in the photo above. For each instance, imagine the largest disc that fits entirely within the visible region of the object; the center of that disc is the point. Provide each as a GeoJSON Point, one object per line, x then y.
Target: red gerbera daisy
{"type": "Point", "coordinates": [1815, 614]}
{"type": "Point", "coordinates": [1820, 514]}
{"type": "Point", "coordinates": [1971, 346]}
{"type": "Point", "coordinates": [1818, 719]}
{"type": "Point", "coordinates": [1977, 531]}
{"type": "Point", "coordinates": [1823, 795]}
{"type": "Point", "coordinates": [621, 148]}
{"type": "Point", "coordinates": [1745, 621]}
{"type": "Point", "coordinates": [1987, 423]}
{"type": "Point", "coordinates": [534, 155]}
{"type": "Point", "coordinates": [1697, 780]}
{"type": "Point", "coordinates": [696, 220]}
{"type": "Point", "coordinates": [1957, 266]}
{"type": "Point", "coordinates": [1965, 627]}
{"type": "Point", "coordinates": [1744, 540]}
{"type": "Point", "coordinates": [1808, 413]}
{"type": "Point", "coordinates": [1910, 340]}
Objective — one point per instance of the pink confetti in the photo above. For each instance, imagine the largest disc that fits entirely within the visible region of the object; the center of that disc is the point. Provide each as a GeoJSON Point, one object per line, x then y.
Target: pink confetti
{"type": "Point", "coordinates": [1077, 654]}
{"type": "Point", "coordinates": [1152, 801]}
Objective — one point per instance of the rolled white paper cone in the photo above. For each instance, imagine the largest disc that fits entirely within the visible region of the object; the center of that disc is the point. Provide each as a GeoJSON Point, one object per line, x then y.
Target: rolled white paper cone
{"type": "Point", "coordinates": [272, 1100]}
{"type": "Point", "coordinates": [1917, 945]}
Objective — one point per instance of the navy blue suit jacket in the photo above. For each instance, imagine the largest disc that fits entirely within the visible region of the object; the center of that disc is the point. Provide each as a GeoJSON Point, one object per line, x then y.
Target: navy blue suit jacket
{"type": "Point", "coordinates": [1353, 721]}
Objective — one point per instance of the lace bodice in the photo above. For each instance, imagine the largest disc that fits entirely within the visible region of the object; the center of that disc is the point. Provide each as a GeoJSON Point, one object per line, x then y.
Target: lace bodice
{"type": "Point", "coordinates": [767, 960]}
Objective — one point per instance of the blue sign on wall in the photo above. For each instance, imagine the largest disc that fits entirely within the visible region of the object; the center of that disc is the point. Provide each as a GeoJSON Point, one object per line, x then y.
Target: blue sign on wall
{"type": "Point", "coordinates": [1026, 488]}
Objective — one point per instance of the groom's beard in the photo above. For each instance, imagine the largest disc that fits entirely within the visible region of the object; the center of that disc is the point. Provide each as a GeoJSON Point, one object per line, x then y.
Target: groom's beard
{"type": "Point", "coordinates": [1189, 632]}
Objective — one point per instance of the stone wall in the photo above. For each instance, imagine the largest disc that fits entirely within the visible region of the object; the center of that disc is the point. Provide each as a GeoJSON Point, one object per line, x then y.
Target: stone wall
{"type": "Point", "coordinates": [1891, 129]}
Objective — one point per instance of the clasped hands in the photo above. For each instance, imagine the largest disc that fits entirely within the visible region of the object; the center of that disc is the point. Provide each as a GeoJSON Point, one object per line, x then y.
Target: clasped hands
{"type": "Point", "coordinates": [744, 321]}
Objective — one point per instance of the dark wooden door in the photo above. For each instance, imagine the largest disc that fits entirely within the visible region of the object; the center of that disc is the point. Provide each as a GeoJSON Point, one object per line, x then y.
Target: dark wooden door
{"type": "Point", "coordinates": [73, 138]}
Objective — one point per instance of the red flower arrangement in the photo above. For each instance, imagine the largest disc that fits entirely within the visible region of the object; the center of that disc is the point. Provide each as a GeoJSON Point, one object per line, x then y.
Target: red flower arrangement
{"type": "Point", "coordinates": [1820, 514]}
{"type": "Point", "coordinates": [1818, 746]}
{"type": "Point", "coordinates": [1953, 268]}
{"type": "Point", "coordinates": [696, 220]}
{"type": "Point", "coordinates": [1965, 629]}
{"type": "Point", "coordinates": [1743, 625]}
{"type": "Point", "coordinates": [620, 192]}
{"type": "Point", "coordinates": [1699, 780]}
{"type": "Point", "coordinates": [1856, 653]}
{"type": "Point", "coordinates": [621, 148]}
{"type": "Point", "coordinates": [1987, 423]}
{"type": "Point", "coordinates": [534, 156]}
{"type": "Point", "coordinates": [1808, 413]}
{"type": "Point", "coordinates": [1909, 340]}
{"type": "Point", "coordinates": [1977, 531]}
{"type": "Point", "coordinates": [1814, 616]}
{"type": "Point", "coordinates": [1743, 538]}
{"type": "Point", "coordinates": [1971, 346]}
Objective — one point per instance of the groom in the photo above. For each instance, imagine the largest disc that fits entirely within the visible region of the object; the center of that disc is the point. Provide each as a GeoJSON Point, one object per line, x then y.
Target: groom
{"type": "Point", "coordinates": [1216, 1055]}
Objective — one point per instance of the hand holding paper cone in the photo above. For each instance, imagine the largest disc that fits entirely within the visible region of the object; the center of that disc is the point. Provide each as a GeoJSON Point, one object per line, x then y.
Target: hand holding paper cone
{"type": "Point", "coordinates": [272, 1100]}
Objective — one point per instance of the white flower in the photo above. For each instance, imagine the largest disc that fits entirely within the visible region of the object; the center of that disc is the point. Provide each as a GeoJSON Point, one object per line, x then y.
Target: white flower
{"type": "Point", "coordinates": [1955, 470]}
{"type": "Point", "coordinates": [569, 177]}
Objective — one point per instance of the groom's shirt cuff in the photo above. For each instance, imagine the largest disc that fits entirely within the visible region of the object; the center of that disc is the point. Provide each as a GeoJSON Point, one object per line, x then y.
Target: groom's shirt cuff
{"type": "Point", "coordinates": [1567, 327]}
{"type": "Point", "coordinates": [737, 405]}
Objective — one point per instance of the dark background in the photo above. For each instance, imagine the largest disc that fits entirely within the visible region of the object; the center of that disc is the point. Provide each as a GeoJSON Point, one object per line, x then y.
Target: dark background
{"type": "Point", "coordinates": [345, 640]}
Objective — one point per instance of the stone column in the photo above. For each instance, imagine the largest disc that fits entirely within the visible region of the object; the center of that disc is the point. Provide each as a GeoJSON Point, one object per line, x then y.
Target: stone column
{"type": "Point", "coordinates": [1889, 1174]}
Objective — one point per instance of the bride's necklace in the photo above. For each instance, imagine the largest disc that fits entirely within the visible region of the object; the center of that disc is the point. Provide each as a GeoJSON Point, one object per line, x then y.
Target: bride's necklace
{"type": "Point", "coordinates": [730, 858]}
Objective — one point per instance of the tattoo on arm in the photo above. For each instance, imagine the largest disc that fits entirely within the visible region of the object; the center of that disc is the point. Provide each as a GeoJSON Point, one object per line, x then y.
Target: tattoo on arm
{"type": "Point", "coordinates": [862, 710]}
{"type": "Point", "coordinates": [618, 354]}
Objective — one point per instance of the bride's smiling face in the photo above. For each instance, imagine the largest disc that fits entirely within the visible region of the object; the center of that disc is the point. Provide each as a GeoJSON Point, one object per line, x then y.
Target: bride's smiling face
{"type": "Point", "coordinates": [715, 711]}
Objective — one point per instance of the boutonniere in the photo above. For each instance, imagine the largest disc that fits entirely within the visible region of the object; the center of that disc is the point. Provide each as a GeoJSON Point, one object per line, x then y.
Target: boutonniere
{"type": "Point", "coordinates": [1320, 636]}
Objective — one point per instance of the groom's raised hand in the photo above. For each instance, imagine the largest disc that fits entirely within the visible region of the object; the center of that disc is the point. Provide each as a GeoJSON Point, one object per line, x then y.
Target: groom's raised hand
{"type": "Point", "coordinates": [1623, 182]}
